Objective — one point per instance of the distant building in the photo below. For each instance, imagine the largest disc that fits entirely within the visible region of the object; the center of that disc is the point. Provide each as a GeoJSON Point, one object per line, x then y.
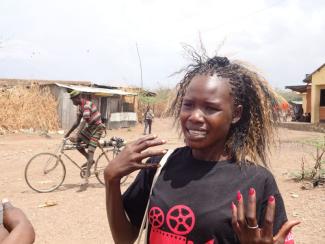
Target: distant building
{"type": "Point", "coordinates": [313, 94]}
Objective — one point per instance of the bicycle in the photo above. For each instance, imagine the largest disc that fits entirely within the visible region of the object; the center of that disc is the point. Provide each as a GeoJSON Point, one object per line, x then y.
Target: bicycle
{"type": "Point", "coordinates": [45, 172]}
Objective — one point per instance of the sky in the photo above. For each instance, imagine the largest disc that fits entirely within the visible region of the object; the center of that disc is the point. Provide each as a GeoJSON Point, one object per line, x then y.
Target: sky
{"type": "Point", "coordinates": [97, 40]}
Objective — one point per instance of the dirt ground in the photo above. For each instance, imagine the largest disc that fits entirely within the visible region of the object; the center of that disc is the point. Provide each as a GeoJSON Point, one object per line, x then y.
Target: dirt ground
{"type": "Point", "coordinates": [80, 217]}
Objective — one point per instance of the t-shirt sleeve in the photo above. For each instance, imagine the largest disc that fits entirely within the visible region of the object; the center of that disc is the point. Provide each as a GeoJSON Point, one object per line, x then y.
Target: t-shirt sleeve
{"type": "Point", "coordinates": [135, 198]}
{"type": "Point", "coordinates": [271, 188]}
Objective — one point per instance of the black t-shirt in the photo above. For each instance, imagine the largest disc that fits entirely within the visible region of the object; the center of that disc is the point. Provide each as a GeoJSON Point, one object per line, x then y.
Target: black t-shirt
{"type": "Point", "coordinates": [191, 201]}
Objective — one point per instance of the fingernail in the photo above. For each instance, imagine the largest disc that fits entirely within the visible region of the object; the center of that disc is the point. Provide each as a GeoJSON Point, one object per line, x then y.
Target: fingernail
{"type": "Point", "coordinates": [251, 191]}
{"type": "Point", "coordinates": [271, 199]}
{"type": "Point", "coordinates": [5, 200]}
{"type": "Point", "coordinates": [232, 206]}
{"type": "Point", "coordinates": [164, 151]}
{"type": "Point", "coordinates": [6, 204]}
{"type": "Point", "coordinates": [238, 196]}
{"type": "Point", "coordinates": [163, 141]}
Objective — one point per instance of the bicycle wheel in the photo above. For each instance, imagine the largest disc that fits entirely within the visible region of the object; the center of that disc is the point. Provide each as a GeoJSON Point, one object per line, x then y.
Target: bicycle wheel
{"type": "Point", "coordinates": [101, 164]}
{"type": "Point", "coordinates": [45, 172]}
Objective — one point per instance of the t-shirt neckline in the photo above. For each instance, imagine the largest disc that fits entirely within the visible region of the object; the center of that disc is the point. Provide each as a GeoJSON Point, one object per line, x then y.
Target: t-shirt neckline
{"type": "Point", "coordinates": [218, 162]}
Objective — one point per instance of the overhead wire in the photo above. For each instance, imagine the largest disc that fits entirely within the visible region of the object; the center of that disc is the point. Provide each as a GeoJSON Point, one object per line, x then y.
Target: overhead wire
{"type": "Point", "coordinates": [244, 16]}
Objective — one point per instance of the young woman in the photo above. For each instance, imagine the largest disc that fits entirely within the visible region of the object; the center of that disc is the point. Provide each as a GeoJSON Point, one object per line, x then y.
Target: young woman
{"type": "Point", "coordinates": [226, 113]}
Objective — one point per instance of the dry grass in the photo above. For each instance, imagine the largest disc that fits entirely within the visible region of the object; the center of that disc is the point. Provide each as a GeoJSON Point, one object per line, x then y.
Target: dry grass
{"type": "Point", "coordinates": [24, 108]}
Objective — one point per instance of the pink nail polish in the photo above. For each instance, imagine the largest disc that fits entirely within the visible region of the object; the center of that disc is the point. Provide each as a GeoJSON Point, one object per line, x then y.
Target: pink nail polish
{"type": "Point", "coordinates": [271, 199]}
{"type": "Point", "coordinates": [232, 205]}
{"type": "Point", "coordinates": [238, 196]}
{"type": "Point", "coordinates": [251, 191]}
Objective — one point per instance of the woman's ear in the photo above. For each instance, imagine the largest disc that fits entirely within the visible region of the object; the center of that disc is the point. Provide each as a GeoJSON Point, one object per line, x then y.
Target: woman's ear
{"type": "Point", "coordinates": [238, 110]}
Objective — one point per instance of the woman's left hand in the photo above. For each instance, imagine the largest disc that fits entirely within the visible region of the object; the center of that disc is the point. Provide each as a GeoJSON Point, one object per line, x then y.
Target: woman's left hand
{"type": "Point", "coordinates": [246, 227]}
{"type": "Point", "coordinates": [16, 226]}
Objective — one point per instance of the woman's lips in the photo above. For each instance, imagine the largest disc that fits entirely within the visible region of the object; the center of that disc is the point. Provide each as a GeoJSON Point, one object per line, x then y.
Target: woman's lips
{"type": "Point", "coordinates": [197, 133]}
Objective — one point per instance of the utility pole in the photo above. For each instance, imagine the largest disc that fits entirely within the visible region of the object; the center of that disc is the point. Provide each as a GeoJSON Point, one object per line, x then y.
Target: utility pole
{"type": "Point", "coordinates": [136, 44]}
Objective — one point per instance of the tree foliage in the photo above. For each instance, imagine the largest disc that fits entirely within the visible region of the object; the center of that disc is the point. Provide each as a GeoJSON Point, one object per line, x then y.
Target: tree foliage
{"type": "Point", "coordinates": [158, 103]}
{"type": "Point", "coordinates": [289, 95]}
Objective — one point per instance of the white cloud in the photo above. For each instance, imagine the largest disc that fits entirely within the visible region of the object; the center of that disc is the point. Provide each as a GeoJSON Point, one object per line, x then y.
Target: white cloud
{"type": "Point", "coordinates": [20, 50]}
{"type": "Point", "coordinates": [95, 40]}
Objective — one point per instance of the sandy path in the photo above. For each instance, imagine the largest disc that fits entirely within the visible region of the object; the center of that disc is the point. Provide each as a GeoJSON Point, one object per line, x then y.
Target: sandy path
{"type": "Point", "coordinates": [80, 217]}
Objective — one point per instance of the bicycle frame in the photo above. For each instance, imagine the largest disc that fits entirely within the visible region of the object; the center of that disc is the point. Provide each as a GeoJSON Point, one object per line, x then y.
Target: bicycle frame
{"type": "Point", "coordinates": [63, 148]}
{"type": "Point", "coordinates": [55, 161]}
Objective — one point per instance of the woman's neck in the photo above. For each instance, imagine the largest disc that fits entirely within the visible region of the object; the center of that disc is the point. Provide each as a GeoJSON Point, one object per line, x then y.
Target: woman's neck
{"type": "Point", "coordinates": [208, 154]}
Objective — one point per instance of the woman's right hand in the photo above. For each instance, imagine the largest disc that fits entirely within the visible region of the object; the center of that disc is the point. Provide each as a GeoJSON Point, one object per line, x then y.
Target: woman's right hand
{"type": "Point", "coordinates": [130, 158]}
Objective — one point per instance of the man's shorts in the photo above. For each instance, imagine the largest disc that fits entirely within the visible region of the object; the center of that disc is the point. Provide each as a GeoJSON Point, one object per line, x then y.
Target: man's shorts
{"type": "Point", "coordinates": [91, 135]}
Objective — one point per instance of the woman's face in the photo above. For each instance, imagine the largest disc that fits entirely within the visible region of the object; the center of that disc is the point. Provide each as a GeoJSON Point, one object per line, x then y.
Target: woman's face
{"type": "Point", "coordinates": [207, 112]}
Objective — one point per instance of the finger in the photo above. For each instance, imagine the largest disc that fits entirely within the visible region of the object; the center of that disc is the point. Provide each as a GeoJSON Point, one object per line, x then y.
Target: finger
{"type": "Point", "coordinates": [3, 233]}
{"type": "Point", "coordinates": [284, 231]}
{"type": "Point", "coordinates": [11, 215]}
{"type": "Point", "coordinates": [240, 210]}
{"type": "Point", "coordinates": [1, 214]}
{"type": "Point", "coordinates": [6, 203]}
{"type": "Point", "coordinates": [269, 218]}
{"type": "Point", "coordinates": [146, 166]}
{"type": "Point", "coordinates": [251, 210]}
{"type": "Point", "coordinates": [152, 142]}
{"type": "Point", "coordinates": [144, 138]}
{"type": "Point", "coordinates": [149, 153]}
{"type": "Point", "coordinates": [141, 140]}
{"type": "Point", "coordinates": [234, 222]}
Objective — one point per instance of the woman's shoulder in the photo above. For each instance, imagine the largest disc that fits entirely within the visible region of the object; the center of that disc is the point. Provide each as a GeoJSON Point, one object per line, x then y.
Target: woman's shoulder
{"type": "Point", "coordinates": [253, 169]}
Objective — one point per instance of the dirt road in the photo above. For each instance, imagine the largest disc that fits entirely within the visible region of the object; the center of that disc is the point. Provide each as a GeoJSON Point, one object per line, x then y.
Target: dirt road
{"type": "Point", "coordinates": [80, 217]}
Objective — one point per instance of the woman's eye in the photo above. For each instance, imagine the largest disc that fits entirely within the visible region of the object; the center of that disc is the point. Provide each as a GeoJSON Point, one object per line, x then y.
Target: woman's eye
{"type": "Point", "coordinates": [212, 109]}
{"type": "Point", "coordinates": [187, 104]}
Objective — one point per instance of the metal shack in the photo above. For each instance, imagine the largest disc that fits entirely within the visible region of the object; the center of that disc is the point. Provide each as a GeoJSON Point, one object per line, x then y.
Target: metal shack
{"type": "Point", "coordinates": [116, 110]}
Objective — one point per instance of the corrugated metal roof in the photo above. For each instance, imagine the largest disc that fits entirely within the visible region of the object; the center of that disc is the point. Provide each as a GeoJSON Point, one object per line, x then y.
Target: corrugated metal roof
{"type": "Point", "coordinates": [98, 91]}
{"type": "Point", "coordinates": [297, 102]}
{"type": "Point", "coordinates": [301, 88]}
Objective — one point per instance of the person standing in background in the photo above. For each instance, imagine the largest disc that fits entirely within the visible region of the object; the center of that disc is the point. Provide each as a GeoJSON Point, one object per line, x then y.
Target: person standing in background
{"type": "Point", "coordinates": [148, 117]}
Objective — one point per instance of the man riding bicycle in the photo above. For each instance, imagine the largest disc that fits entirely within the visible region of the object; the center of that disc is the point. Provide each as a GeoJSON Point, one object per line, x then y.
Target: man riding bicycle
{"type": "Point", "coordinates": [90, 133]}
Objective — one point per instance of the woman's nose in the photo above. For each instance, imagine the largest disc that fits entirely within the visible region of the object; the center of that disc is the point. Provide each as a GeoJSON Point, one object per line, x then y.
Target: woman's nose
{"type": "Point", "coordinates": [196, 115]}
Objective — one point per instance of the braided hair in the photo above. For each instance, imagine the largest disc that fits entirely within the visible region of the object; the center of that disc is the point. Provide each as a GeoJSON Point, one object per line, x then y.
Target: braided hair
{"type": "Point", "coordinates": [250, 137]}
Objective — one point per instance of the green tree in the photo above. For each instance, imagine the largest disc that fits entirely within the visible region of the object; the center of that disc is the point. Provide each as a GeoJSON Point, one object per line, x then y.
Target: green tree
{"type": "Point", "coordinates": [289, 95]}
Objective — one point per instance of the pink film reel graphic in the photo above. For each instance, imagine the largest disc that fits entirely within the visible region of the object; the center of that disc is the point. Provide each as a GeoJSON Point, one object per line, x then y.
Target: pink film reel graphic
{"type": "Point", "coordinates": [180, 219]}
{"type": "Point", "coordinates": [156, 217]}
